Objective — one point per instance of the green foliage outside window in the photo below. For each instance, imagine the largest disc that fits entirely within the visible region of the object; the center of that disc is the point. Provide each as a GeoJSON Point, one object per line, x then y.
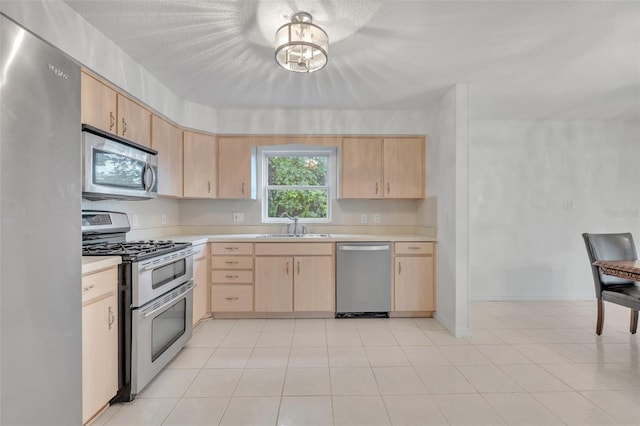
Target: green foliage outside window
{"type": "Point", "coordinates": [297, 185]}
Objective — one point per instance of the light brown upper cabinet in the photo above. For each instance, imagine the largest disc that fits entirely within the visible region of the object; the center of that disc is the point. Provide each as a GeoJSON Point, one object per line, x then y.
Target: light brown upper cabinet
{"type": "Point", "coordinates": [99, 104]}
{"type": "Point", "coordinates": [108, 110]}
{"type": "Point", "coordinates": [134, 122]}
{"type": "Point", "coordinates": [382, 167]}
{"type": "Point", "coordinates": [199, 165]}
{"type": "Point", "coordinates": [167, 140]}
{"type": "Point", "coordinates": [235, 162]}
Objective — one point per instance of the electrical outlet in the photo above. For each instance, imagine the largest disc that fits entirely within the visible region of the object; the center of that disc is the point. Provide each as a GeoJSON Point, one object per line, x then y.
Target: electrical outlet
{"type": "Point", "coordinates": [376, 218]}
{"type": "Point", "coordinates": [134, 220]}
{"type": "Point", "coordinates": [163, 218]}
{"type": "Point", "coordinates": [363, 218]}
{"type": "Point", "coordinates": [238, 217]}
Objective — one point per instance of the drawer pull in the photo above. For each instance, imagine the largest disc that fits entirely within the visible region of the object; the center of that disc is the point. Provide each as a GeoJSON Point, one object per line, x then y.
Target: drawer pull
{"type": "Point", "coordinates": [413, 248]}
{"type": "Point", "coordinates": [231, 298]}
{"type": "Point", "coordinates": [231, 248]}
{"type": "Point", "coordinates": [231, 262]}
{"type": "Point", "coordinates": [232, 277]}
{"type": "Point", "coordinates": [85, 289]}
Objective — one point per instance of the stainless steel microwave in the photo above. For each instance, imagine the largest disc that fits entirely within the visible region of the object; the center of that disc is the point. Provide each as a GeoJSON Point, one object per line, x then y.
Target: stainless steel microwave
{"type": "Point", "coordinates": [115, 168]}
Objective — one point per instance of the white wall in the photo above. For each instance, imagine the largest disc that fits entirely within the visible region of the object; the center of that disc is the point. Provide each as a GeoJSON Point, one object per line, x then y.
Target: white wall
{"type": "Point", "coordinates": [534, 188]}
{"type": "Point", "coordinates": [447, 183]}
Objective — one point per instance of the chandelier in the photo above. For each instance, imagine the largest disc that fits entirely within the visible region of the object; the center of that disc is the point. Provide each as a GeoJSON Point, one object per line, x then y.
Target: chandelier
{"type": "Point", "coordinates": [301, 46]}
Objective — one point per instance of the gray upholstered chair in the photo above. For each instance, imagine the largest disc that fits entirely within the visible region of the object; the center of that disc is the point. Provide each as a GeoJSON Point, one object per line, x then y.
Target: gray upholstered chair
{"type": "Point", "coordinates": [608, 288]}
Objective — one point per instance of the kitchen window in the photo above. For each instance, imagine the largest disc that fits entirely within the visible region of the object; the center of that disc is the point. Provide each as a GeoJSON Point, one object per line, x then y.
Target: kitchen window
{"type": "Point", "coordinates": [299, 181]}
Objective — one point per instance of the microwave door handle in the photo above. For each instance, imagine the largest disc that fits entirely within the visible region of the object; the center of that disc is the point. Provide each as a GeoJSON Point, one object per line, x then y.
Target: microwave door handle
{"type": "Point", "coordinates": [147, 177]}
{"type": "Point", "coordinates": [154, 178]}
{"type": "Point", "coordinates": [145, 170]}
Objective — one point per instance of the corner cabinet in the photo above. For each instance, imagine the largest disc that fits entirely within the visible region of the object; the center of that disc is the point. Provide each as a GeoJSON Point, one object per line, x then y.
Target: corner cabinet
{"type": "Point", "coordinates": [108, 110]}
{"type": "Point", "coordinates": [201, 280]}
{"type": "Point", "coordinates": [167, 140]}
{"type": "Point", "coordinates": [99, 340]}
{"type": "Point", "coordinates": [200, 177]}
{"type": "Point", "coordinates": [383, 168]}
{"type": "Point", "coordinates": [295, 277]}
{"type": "Point", "coordinates": [414, 279]}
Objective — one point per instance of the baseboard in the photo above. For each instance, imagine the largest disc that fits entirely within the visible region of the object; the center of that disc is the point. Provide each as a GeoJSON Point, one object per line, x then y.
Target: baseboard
{"type": "Point", "coordinates": [507, 298]}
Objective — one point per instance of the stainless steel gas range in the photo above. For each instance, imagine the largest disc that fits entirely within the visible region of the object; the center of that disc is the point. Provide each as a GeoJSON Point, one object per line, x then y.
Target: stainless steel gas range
{"type": "Point", "coordinates": [155, 297]}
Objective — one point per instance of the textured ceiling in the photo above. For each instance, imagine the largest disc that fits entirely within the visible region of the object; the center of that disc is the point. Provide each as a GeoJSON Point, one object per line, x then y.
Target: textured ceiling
{"type": "Point", "coordinates": [522, 59]}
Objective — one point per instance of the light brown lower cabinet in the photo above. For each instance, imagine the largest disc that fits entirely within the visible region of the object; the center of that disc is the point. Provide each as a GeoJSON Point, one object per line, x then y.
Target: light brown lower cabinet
{"type": "Point", "coordinates": [99, 341]}
{"type": "Point", "coordinates": [231, 277]}
{"type": "Point", "coordinates": [414, 277]}
{"type": "Point", "coordinates": [294, 277]}
{"type": "Point", "coordinates": [201, 280]}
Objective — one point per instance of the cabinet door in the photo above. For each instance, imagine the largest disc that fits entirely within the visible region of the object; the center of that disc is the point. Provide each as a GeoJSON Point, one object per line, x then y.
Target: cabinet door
{"type": "Point", "coordinates": [273, 284]}
{"type": "Point", "coordinates": [99, 103]}
{"type": "Point", "coordinates": [200, 296]}
{"type": "Point", "coordinates": [413, 285]}
{"type": "Point", "coordinates": [167, 140]}
{"type": "Point", "coordinates": [199, 165]}
{"type": "Point", "coordinates": [313, 284]}
{"type": "Point", "coordinates": [134, 121]}
{"type": "Point", "coordinates": [99, 354]}
{"type": "Point", "coordinates": [361, 166]}
{"type": "Point", "coordinates": [404, 161]}
{"type": "Point", "coordinates": [234, 168]}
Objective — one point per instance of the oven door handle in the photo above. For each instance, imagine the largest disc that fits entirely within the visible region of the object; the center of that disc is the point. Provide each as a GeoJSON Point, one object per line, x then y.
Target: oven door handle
{"type": "Point", "coordinates": [169, 302]}
{"type": "Point", "coordinates": [159, 265]}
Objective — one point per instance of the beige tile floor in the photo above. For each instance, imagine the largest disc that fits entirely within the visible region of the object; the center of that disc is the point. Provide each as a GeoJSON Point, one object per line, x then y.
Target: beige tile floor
{"type": "Point", "coordinates": [528, 363]}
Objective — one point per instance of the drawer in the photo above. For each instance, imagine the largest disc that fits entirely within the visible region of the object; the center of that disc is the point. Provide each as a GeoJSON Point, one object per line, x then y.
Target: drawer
{"type": "Point", "coordinates": [232, 276]}
{"type": "Point", "coordinates": [99, 284]}
{"type": "Point", "coordinates": [415, 248]}
{"type": "Point", "coordinates": [294, 249]}
{"type": "Point", "coordinates": [231, 298]}
{"type": "Point", "coordinates": [232, 262]}
{"type": "Point", "coordinates": [232, 248]}
{"type": "Point", "coordinates": [199, 252]}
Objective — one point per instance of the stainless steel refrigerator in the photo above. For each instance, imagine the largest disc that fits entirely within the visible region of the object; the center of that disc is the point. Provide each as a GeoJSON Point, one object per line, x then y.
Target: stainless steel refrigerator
{"type": "Point", "coordinates": [40, 249]}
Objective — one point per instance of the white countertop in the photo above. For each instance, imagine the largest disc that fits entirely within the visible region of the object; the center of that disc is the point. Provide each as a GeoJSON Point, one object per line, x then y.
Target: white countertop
{"type": "Point", "coordinates": [257, 238]}
{"type": "Point", "coordinates": [92, 264]}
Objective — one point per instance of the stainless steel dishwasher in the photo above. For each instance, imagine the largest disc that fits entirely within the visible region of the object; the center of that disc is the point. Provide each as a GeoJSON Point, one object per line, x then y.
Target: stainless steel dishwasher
{"type": "Point", "coordinates": [363, 279]}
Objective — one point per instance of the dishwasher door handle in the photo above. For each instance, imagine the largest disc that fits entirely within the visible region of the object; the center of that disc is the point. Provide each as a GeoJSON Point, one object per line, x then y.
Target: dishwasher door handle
{"type": "Point", "coordinates": [363, 248]}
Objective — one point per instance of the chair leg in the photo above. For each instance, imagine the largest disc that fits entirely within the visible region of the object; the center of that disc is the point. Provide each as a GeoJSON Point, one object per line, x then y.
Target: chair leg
{"type": "Point", "coordinates": [600, 317]}
{"type": "Point", "coordinates": [634, 321]}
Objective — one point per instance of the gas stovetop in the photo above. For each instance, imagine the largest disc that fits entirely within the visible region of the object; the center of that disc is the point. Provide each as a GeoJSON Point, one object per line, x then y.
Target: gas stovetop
{"type": "Point", "coordinates": [133, 249]}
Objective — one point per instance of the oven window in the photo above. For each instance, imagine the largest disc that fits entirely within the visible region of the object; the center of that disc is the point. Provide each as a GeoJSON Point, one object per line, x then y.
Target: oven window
{"type": "Point", "coordinates": [117, 170]}
{"type": "Point", "coordinates": [167, 327]}
{"type": "Point", "coordinates": [165, 274]}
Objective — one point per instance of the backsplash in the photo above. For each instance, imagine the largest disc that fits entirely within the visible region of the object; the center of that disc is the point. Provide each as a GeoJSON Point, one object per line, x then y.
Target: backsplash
{"type": "Point", "coordinates": [216, 216]}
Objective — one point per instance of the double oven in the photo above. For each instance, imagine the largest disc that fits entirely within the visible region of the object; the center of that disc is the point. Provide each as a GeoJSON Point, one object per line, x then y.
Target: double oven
{"type": "Point", "coordinates": [155, 297]}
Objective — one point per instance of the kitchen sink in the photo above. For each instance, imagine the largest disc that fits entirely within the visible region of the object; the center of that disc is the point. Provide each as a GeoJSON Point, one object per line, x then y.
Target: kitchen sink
{"type": "Point", "coordinates": [294, 236]}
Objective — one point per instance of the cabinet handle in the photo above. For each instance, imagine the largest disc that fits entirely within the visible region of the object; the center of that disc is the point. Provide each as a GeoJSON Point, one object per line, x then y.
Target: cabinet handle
{"type": "Point", "coordinates": [124, 126]}
{"type": "Point", "coordinates": [231, 262]}
{"type": "Point", "coordinates": [231, 298]}
{"type": "Point", "coordinates": [231, 248]}
{"type": "Point", "coordinates": [242, 188]}
{"type": "Point", "coordinates": [287, 268]}
{"type": "Point", "coordinates": [413, 248]}
{"type": "Point", "coordinates": [377, 187]}
{"type": "Point", "coordinates": [298, 267]}
{"type": "Point", "coordinates": [388, 187]}
{"type": "Point", "coordinates": [209, 187]}
{"type": "Point", "coordinates": [84, 289]}
{"type": "Point", "coordinates": [112, 120]}
{"type": "Point", "coordinates": [399, 267]}
{"type": "Point", "coordinates": [233, 277]}
{"type": "Point", "coordinates": [112, 317]}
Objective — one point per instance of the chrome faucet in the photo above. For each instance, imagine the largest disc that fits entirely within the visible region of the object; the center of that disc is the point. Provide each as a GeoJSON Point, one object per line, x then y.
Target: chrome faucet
{"type": "Point", "coordinates": [295, 220]}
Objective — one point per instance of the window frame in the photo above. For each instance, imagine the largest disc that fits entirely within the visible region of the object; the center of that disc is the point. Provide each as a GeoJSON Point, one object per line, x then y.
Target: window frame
{"type": "Point", "coordinates": [296, 150]}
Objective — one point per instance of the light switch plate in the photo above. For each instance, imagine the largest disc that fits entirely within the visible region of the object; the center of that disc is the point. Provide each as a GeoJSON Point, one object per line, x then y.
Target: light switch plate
{"type": "Point", "coordinates": [238, 217]}
{"type": "Point", "coordinates": [376, 218]}
{"type": "Point", "coordinates": [163, 219]}
{"type": "Point", "coordinates": [363, 218]}
{"type": "Point", "coordinates": [134, 220]}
